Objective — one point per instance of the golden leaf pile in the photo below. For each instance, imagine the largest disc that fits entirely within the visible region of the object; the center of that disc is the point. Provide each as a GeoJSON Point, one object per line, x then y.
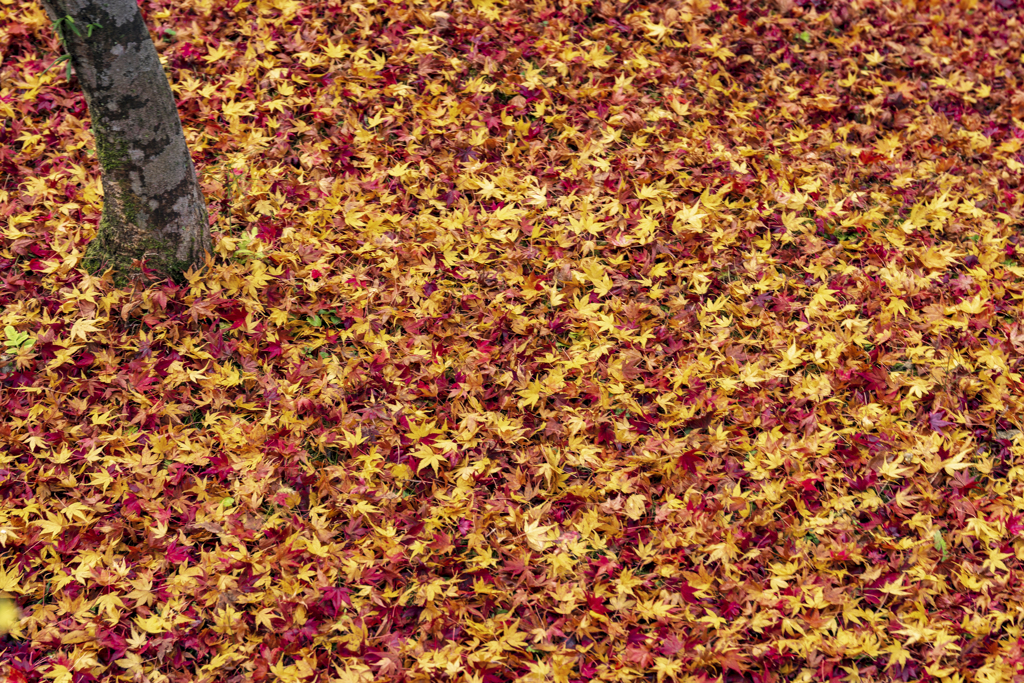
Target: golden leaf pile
{"type": "Point", "coordinates": [583, 341]}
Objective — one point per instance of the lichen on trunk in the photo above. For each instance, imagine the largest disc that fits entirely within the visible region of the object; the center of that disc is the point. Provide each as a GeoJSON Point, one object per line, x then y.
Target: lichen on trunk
{"type": "Point", "coordinates": [153, 209]}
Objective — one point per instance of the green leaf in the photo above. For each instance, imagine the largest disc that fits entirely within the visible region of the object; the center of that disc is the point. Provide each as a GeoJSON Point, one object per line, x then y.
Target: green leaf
{"type": "Point", "coordinates": [227, 502]}
{"type": "Point", "coordinates": [315, 320]}
{"type": "Point", "coordinates": [805, 36]}
{"type": "Point", "coordinates": [940, 543]}
{"type": "Point", "coordinates": [15, 339]}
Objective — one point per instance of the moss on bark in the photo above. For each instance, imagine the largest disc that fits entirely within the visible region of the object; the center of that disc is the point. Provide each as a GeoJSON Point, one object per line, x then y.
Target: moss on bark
{"type": "Point", "coordinates": [123, 237]}
{"type": "Point", "coordinates": [160, 257]}
{"type": "Point", "coordinates": [111, 151]}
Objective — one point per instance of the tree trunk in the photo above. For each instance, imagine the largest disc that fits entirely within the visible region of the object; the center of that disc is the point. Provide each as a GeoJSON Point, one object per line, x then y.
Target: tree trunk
{"type": "Point", "coordinates": [153, 208]}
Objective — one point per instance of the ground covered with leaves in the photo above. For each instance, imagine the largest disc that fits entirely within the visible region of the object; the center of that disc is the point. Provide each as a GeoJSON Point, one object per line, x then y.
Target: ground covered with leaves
{"type": "Point", "coordinates": [543, 341]}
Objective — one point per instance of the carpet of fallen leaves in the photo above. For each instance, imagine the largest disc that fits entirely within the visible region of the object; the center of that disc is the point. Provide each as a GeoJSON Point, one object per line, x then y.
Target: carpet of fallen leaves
{"type": "Point", "coordinates": [543, 341]}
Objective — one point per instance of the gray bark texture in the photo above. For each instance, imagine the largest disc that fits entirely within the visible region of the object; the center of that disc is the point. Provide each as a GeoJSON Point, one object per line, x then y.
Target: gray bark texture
{"type": "Point", "coordinates": [153, 208]}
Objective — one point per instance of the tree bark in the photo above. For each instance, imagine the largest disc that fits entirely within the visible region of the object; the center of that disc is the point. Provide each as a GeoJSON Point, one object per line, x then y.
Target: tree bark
{"type": "Point", "coordinates": [153, 208]}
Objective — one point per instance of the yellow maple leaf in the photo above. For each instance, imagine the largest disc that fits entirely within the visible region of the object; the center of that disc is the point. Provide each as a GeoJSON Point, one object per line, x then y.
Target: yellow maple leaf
{"type": "Point", "coordinates": [636, 506]}
{"type": "Point", "coordinates": [63, 356]}
{"type": "Point", "coordinates": [531, 394]}
{"type": "Point", "coordinates": [83, 326]}
{"type": "Point", "coordinates": [713, 619]}
{"type": "Point", "coordinates": [238, 108]}
{"type": "Point", "coordinates": [9, 615]}
{"type": "Point", "coordinates": [428, 458]}
{"type": "Point", "coordinates": [335, 51]}
{"type": "Point", "coordinates": [399, 170]}
{"type": "Point", "coordinates": [667, 667]}
{"type": "Point", "coordinates": [219, 53]}
{"type": "Point", "coordinates": [353, 440]}
{"type": "Point", "coordinates": [936, 259]}
{"type": "Point", "coordinates": [791, 358]}
{"type": "Point", "coordinates": [419, 431]}
{"type": "Point", "coordinates": [537, 536]}
{"type": "Point", "coordinates": [9, 579]}
{"type": "Point", "coordinates": [111, 605]}
{"type": "Point", "coordinates": [264, 617]}
{"type": "Point", "coordinates": [815, 387]}
{"type": "Point", "coordinates": [314, 547]}
{"type": "Point", "coordinates": [153, 624]}
{"type": "Point", "coordinates": [688, 218]}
